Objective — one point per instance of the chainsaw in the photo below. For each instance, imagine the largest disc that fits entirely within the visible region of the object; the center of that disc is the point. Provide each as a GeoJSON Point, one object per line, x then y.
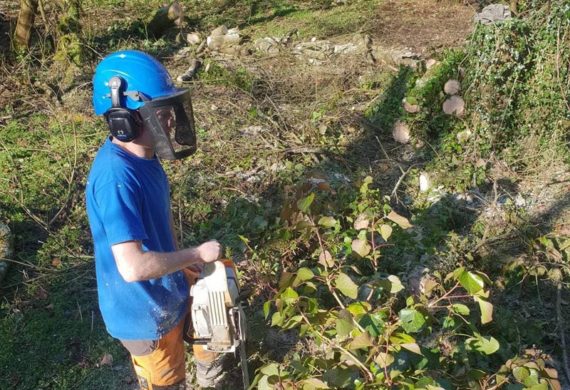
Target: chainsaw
{"type": "Point", "coordinates": [217, 312]}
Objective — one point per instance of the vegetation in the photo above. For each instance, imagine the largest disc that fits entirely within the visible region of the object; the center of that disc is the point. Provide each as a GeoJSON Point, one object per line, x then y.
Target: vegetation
{"type": "Point", "coordinates": [358, 279]}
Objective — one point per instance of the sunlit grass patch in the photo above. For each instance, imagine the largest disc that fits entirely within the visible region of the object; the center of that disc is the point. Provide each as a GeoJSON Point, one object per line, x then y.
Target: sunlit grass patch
{"type": "Point", "coordinates": [317, 22]}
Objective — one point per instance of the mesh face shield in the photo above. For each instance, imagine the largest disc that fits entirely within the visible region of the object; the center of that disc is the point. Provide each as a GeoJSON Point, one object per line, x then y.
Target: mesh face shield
{"type": "Point", "coordinates": [171, 122]}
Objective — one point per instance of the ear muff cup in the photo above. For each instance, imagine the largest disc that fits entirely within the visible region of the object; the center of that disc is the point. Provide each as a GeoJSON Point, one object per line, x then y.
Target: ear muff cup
{"type": "Point", "coordinates": [122, 124]}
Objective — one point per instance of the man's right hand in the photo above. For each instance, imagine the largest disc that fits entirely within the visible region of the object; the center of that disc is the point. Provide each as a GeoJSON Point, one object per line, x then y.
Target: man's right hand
{"type": "Point", "coordinates": [210, 251]}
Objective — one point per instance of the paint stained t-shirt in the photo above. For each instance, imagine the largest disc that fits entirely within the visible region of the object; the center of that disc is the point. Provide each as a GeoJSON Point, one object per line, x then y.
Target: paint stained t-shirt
{"type": "Point", "coordinates": [128, 199]}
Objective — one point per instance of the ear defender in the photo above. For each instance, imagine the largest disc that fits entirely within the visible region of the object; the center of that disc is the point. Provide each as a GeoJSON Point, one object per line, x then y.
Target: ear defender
{"type": "Point", "coordinates": [122, 122]}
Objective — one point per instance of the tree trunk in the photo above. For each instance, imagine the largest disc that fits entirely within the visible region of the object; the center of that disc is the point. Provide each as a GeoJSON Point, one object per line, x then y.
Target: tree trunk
{"type": "Point", "coordinates": [514, 7]}
{"type": "Point", "coordinates": [23, 32]}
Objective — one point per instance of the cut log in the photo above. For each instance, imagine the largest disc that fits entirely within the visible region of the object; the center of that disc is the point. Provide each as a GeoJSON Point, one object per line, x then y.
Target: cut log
{"type": "Point", "coordinates": [454, 106]}
{"type": "Point", "coordinates": [164, 19]}
{"type": "Point", "coordinates": [401, 132]}
{"type": "Point", "coordinates": [411, 108]}
{"type": "Point", "coordinates": [452, 87]}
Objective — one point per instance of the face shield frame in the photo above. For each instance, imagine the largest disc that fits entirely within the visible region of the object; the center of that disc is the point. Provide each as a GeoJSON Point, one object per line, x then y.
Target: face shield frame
{"type": "Point", "coordinates": [170, 120]}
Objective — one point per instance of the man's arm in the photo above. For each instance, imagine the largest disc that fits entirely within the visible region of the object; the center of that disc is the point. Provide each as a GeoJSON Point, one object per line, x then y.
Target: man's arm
{"type": "Point", "coordinates": [135, 265]}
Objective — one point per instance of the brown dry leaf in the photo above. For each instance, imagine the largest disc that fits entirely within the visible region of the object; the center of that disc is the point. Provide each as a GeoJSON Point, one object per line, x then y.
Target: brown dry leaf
{"type": "Point", "coordinates": [361, 222]}
{"type": "Point", "coordinates": [552, 373]}
{"type": "Point", "coordinates": [325, 259]}
{"type": "Point", "coordinates": [324, 186]}
{"type": "Point", "coordinates": [384, 359]}
{"type": "Point", "coordinates": [427, 284]}
{"type": "Point", "coordinates": [383, 167]}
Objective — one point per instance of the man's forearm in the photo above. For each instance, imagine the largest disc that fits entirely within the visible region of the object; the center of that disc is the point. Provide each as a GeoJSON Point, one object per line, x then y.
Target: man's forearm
{"type": "Point", "coordinates": [134, 264]}
{"type": "Point", "coordinates": [156, 264]}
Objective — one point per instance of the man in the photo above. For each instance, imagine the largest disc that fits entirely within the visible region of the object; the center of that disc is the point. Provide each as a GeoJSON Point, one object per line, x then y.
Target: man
{"type": "Point", "coordinates": [142, 286]}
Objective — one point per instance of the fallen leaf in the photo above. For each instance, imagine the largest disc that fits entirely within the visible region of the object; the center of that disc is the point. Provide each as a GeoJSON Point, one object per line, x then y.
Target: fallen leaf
{"type": "Point", "coordinates": [430, 63]}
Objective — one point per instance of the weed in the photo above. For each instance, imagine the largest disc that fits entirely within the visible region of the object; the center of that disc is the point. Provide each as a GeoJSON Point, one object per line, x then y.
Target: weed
{"type": "Point", "coordinates": [219, 75]}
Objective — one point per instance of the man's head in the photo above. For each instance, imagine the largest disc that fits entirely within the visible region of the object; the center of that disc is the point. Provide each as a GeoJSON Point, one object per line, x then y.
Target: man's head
{"type": "Point", "coordinates": [134, 91]}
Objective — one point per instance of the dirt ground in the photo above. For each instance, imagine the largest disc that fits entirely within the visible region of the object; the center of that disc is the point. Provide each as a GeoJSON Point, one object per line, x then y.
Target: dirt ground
{"type": "Point", "coordinates": [423, 25]}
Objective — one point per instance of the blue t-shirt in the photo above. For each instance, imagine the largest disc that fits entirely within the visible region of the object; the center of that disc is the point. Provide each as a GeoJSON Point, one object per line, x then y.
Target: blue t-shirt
{"type": "Point", "coordinates": [128, 199]}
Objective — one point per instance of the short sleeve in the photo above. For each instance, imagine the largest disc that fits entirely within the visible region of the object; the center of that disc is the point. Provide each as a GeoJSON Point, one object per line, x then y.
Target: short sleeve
{"type": "Point", "coordinates": [120, 206]}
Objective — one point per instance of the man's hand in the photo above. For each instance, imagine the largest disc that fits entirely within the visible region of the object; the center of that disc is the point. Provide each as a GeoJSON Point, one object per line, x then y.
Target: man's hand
{"type": "Point", "coordinates": [210, 251]}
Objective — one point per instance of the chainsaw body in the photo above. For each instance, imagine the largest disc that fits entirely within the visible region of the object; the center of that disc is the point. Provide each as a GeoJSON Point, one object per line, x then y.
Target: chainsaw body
{"type": "Point", "coordinates": [217, 316]}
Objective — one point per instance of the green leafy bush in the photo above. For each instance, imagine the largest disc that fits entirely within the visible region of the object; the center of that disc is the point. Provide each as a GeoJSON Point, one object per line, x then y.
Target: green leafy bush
{"type": "Point", "coordinates": [362, 328]}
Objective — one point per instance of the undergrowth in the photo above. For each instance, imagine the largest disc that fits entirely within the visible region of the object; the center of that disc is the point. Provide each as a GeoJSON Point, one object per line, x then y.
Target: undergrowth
{"type": "Point", "coordinates": [514, 78]}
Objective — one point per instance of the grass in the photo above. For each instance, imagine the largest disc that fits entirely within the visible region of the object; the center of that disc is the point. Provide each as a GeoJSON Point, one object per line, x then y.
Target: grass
{"type": "Point", "coordinates": [320, 23]}
{"type": "Point", "coordinates": [51, 340]}
{"type": "Point", "coordinates": [49, 318]}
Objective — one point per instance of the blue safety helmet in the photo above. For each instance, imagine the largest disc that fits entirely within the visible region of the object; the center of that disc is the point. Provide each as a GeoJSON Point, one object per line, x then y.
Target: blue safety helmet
{"type": "Point", "coordinates": [130, 86]}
